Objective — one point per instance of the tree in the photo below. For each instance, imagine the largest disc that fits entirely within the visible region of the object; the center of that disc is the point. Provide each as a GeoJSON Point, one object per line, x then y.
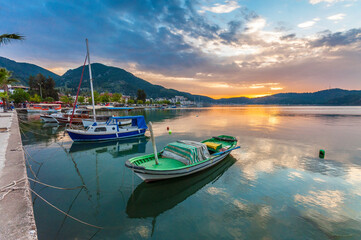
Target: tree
{"type": "Point", "coordinates": [66, 99]}
{"type": "Point", "coordinates": [130, 101]}
{"type": "Point", "coordinates": [43, 86]}
{"type": "Point", "coordinates": [49, 99]}
{"type": "Point", "coordinates": [81, 99]}
{"type": "Point", "coordinates": [36, 98]}
{"type": "Point", "coordinates": [105, 97]}
{"type": "Point", "coordinates": [141, 95]}
{"type": "Point", "coordinates": [20, 95]}
{"type": "Point", "coordinates": [139, 102]}
{"type": "Point", "coordinates": [8, 37]}
{"type": "Point", "coordinates": [116, 97]}
{"type": "Point", "coordinates": [5, 80]}
{"type": "Point", "coordinates": [96, 98]}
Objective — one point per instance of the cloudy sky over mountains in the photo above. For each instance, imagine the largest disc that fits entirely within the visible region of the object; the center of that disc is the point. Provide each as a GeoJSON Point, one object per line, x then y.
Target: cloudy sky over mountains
{"type": "Point", "coordinates": [214, 48]}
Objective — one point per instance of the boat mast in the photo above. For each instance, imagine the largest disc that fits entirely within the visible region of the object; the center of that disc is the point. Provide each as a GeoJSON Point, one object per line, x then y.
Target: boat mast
{"type": "Point", "coordinates": [91, 80]}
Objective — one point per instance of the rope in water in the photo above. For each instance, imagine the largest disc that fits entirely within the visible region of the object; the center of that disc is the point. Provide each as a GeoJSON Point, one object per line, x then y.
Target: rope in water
{"type": "Point", "coordinates": [74, 218]}
{"type": "Point", "coordinates": [61, 188]}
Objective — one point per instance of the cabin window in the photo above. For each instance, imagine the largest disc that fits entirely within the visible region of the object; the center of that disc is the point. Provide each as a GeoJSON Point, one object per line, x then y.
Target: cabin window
{"type": "Point", "coordinates": [113, 128]}
{"type": "Point", "coordinates": [100, 129]}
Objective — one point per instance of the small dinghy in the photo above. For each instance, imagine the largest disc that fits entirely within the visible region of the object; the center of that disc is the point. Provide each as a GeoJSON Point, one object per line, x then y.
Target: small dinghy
{"type": "Point", "coordinates": [182, 158]}
{"type": "Point", "coordinates": [111, 130]}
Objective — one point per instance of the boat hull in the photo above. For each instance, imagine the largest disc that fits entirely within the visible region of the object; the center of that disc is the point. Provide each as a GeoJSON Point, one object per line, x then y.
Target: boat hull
{"type": "Point", "coordinates": [48, 119]}
{"type": "Point", "coordinates": [153, 175]}
{"type": "Point", "coordinates": [82, 136]}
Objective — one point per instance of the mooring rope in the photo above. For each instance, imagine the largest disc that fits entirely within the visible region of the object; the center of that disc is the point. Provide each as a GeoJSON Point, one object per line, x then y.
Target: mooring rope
{"type": "Point", "coordinates": [61, 188]}
{"type": "Point", "coordinates": [11, 187]}
{"type": "Point", "coordinates": [74, 218]}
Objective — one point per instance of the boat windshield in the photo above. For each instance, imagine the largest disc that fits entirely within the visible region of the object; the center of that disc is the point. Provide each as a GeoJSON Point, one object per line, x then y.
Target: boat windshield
{"type": "Point", "coordinates": [187, 152]}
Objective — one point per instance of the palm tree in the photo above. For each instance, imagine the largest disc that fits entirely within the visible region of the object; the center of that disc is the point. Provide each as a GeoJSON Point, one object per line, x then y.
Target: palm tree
{"type": "Point", "coordinates": [8, 37]}
{"type": "Point", "coordinates": [5, 80]}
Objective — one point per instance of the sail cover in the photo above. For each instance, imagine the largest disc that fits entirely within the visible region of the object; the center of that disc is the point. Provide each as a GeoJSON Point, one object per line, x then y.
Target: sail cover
{"type": "Point", "coordinates": [188, 152]}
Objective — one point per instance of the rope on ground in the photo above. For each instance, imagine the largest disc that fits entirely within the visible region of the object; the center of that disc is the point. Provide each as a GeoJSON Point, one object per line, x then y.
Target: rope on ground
{"type": "Point", "coordinates": [76, 219]}
{"type": "Point", "coordinates": [12, 184]}
{"type": "Point", "coordinates": [55, 186]}
{"type": "Point", "coordinates": [11, 187]}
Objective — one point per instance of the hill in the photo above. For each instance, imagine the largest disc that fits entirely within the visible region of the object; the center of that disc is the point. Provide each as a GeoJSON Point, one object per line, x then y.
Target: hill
{"type": "Point", "coordinates": [113, 79]}
{"type": "Point", "coordinates": [334, 96]}
{"type": "Point", "coordinates": [22, 71]}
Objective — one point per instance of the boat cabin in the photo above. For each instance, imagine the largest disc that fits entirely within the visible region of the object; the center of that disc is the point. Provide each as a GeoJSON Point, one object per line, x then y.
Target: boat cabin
{"type": "Point", "coordinates": [116, 124]}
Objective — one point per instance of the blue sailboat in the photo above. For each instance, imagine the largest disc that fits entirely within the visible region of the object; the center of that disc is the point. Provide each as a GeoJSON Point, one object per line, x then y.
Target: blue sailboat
{"type": "Point", "coordinates": [111, 130]}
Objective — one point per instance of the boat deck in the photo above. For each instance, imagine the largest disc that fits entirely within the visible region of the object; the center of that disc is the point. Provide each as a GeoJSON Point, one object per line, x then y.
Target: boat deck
{"type": "Point", "coordinates": [164, 164]}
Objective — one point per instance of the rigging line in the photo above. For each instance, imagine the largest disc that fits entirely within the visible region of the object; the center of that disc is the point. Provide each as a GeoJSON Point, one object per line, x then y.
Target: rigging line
{"type": "Point", "coordinates": [55, 186]}
{"type": "Point", "coordinates": [74, 218]}
{"type": "Point", "coordinates": [77, 94]}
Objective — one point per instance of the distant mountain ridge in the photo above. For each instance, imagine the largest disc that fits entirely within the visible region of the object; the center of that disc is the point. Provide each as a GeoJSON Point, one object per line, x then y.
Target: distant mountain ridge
{"type": "Point", "coordinates": [113, 79]}
{"type": "Point", "coordinates": [334, 96]}
{"type": "Point", "coordinates": [22, 71]}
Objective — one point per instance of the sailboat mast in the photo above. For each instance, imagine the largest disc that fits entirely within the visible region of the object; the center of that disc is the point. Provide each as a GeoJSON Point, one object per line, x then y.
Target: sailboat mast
{"type": "Point", "coordinates": [91, 79]}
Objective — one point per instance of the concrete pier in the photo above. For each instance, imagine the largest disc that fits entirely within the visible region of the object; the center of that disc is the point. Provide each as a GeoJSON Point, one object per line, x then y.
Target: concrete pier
{"type": "Point", "coordinates": [16, 209]}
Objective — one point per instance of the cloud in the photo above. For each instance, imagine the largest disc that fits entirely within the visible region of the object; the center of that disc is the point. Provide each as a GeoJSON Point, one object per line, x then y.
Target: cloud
{"type": "Point", "coordinates": [313, 2]}
{"type": "Point", "coordinates": [167, 42]}
{"type": "Point", "coordinates": [339, 16]}
{"type": "Point", "coordinates": [228, 7]}
{"type": "Point", "coordinates": [338, 39]}
{"type": "Point", "coordinates": [289, 36]}
{"type": "Point", "coordinates": [306, 24]}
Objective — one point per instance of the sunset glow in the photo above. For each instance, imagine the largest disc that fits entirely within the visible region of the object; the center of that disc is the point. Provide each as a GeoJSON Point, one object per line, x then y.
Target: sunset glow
{"type": "Point", "coordinates": [218, 48]}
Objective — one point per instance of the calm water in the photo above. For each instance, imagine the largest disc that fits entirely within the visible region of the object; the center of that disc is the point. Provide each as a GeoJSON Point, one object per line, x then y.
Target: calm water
{"type": "Point", "coordinates": [274, 187]}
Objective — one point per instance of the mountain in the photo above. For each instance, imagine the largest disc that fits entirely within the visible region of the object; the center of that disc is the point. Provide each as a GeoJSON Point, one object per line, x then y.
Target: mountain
{"type": "Point", "coordinates": [334, 96]}
{"type": "Point", "coordinates": [22, 71]}
{"type": "Point", "coordinates": [113, 79]}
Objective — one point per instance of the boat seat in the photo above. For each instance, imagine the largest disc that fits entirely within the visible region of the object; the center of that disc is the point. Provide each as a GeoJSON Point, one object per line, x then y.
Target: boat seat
{"type": "Point", "coordinates": [212, 146]}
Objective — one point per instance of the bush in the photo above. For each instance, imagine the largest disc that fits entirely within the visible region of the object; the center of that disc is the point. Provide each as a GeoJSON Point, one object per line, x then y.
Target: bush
{"type": "Point", "coordinates": [20, 95]}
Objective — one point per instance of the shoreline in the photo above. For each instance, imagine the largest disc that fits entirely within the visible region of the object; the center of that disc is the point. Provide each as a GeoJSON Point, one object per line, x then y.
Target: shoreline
{"type": "Point", "coordinates": [16, 209]}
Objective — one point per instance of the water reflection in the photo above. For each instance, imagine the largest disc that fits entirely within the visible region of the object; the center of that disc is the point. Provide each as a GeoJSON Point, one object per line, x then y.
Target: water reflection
{"type": "Point", "coordinates": [150, 200]}
{"type": "Point", "coordinates": [116, 148]}
{"type": "Point", "coordinates": [274, 187]}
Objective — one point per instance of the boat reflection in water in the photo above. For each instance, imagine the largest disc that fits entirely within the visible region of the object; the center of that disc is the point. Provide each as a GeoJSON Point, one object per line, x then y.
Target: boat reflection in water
{"type": "Point", "coordinates": [150, 200]}
{"type": "Point", "coordinates": [117, 148]}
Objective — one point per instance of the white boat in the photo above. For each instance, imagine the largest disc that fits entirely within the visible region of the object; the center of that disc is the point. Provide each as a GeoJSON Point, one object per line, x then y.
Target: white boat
{"type": "Point", "coordinates": [89, 122]}
{"type": "Point", "coordinates": [111, 130]}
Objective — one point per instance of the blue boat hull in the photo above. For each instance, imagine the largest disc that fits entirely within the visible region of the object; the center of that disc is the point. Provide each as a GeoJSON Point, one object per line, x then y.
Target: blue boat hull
{"type": "Point", "coordinates": [77, 137]}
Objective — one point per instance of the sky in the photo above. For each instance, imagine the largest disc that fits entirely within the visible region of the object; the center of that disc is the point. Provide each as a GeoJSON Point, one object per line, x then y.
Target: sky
{"type": "Point", "coordinates": [214, 48]}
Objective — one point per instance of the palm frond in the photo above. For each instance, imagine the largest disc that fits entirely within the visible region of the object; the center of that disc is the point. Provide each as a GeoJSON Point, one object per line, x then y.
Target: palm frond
{"type": "Point", "coordinates": [8, 37]}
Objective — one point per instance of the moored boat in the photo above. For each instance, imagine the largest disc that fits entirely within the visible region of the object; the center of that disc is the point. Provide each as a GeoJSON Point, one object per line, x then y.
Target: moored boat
{"type": "Point", "coordinates": [111, 130]}
{"type": "Point", "coordinates": [182, 158]}
{"type": "Point", "coordinates": [103, 120]}
{"type": "Point", "coordinates": [44, 108]}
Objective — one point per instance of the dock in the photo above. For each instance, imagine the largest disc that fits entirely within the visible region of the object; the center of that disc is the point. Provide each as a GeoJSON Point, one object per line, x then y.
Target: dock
{"type": "Point", "coordinates": [16, 209]}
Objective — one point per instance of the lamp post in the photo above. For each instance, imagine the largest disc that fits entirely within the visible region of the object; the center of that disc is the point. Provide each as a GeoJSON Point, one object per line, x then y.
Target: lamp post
{"type": "Point", "coordinates": [41, 93]}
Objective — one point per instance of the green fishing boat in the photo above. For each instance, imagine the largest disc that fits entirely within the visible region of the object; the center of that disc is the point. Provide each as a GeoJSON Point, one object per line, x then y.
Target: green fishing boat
{"type": "Point", "coordinates": [182, 158]}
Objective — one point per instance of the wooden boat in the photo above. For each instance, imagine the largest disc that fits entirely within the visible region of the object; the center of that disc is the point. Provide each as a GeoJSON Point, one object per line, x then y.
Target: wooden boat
{"type": "Point", "coordinates": [111, 130]}
{"type": "Point", "coordinates": [80, 115]}
{"type": "Point", "coordinates": [168, 194]}
{"type": "Point", "coordinates": [182, 158]}
{"type": "Point", "coordinates": [43, 107]}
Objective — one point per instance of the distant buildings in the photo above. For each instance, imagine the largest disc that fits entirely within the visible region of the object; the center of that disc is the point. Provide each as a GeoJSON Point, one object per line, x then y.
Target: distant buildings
{"type": "Point", "coordinates": [12, 88]}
